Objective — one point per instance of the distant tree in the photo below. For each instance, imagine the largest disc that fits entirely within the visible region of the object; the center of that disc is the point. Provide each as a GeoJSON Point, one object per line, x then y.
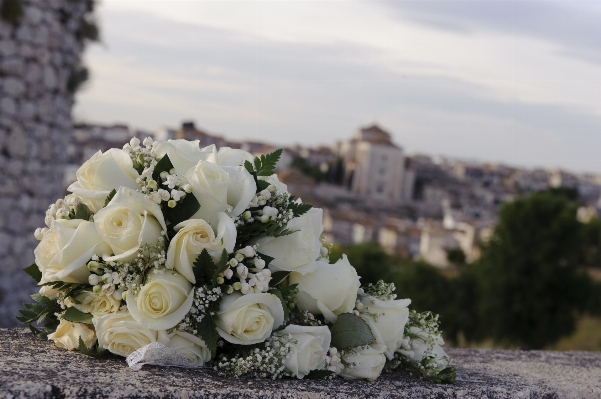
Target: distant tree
{"type": "Point", "coordinates": [456, 256]}
{"type": "Point", "coordinates": [531, 285]}
{"type": "Point", "coordinates": [309, 170]}
{"type": "Point", "coordinates": [426, 286]}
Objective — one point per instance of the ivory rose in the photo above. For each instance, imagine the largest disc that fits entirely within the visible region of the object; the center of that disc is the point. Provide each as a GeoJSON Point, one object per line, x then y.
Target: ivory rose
{"type": "Point", "coordinates": [328, 290]}
{"type": "Point", "coordinates": [101, 174]}
{"type": "Point", "coordinates": [227, 156]}
{"type": "Point", "coordinates": [220, 189]}
{"type": "Point", "coordinates": [387, 320]}
{"type": "Point", "coordinates": [67, 335]}
{"type": "Point", "coordinates": [249, 319]}
{"type": "Point", "coordinates": [193, 236]}
{"type": "Point", "coordinates": [65, 249]}
{"type": "Point", "coordinates": [128, 222]}
{"type": "Point", "coordinates": [162, 302]}
{"type": "Point", "coordinates": [191, 347]}
{"type": "Point", "coordinates": [309, 352]}
{"type": "Point", "coordinates": [183, 154]}
{"type": "Point", "coordinates": [121, 334]}
{"type": "Point", "coordinates": [368, 363]}
{"type": "Point", "coordinates": [96, 304]}
{"type": "Point", "coordinates": [296, 251]}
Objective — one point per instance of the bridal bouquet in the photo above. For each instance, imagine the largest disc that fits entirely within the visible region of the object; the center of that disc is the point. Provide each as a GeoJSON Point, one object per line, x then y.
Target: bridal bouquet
{"type": "Point", "coordinates": [169, 254]}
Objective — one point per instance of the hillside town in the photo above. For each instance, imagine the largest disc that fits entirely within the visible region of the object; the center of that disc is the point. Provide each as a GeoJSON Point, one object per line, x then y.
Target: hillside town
{"type": "Point", "coordinates": [413, 205]}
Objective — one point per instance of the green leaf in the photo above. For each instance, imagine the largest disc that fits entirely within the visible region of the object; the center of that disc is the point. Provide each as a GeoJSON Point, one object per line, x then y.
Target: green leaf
{"type": "Point", "coordinates": [350, 331]}
{"type": "Point", "coordinates": [318, 374]}
{"type": "Point", "coordinates": [184, 209]}
{"type": "Point", "coordinates": [249, 167]}
{"type": "Point", "coordinates": [38, 333]}
{"type": "Point", "coordinates": [34, 271]}
{"type": "Point", "coordinates": [267, 163]}
{"type": "Point", "coordinates": [221, 267]}
{"type": "Point", "coordinates": [278, 277]}
{"type": "Point", "coordinates": [289, 290]}
{"type": "Point", "coordinates": [82, 212]}
{"type": "Point", "coordinates": [262, 185]}
{"type": "Point", "coordinates": [110, 197]}
{"type": "Point", "coordinates": [94, 351]}
{"type": "Point", "coordinates": [164, 165]}
{"type": "Point", "coordinates": [446, 376]}
{"type": "Point", "coordinates": [207, 332]}
{"type": "Point", "coordinates": [299, 209]}
{"type": "Point", "coordinates": [206, 271]}
{"type": "Point", "coordinates": [75, 316]}
{"type": "Point", "coordinates": [278, 293]}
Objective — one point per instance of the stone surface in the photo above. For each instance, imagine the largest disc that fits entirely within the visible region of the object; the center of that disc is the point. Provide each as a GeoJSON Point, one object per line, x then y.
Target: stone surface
{"type": "Point", "coordinates": [35, 369]}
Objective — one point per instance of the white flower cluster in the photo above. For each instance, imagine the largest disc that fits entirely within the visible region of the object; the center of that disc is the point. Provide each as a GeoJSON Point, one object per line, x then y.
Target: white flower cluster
{"type": "Point", "coordinates": [118, 277]}
{"type": "Point", "coordinates": [238, 275]}
{"type": "Point", "coordinates": [269, 205]}
{"type": "Point", "coordinates": [250, 280]}
{"type": "Point", "coordinates": [203, 299]}
{"type": "Point", "coordinates": [171, 189]}
{"type": "Point", "coordinates": [269, 362]}
{"type": "Point", "coordinates": [381, 290]}
{"type": "Point", "coordinates": [61, 209]}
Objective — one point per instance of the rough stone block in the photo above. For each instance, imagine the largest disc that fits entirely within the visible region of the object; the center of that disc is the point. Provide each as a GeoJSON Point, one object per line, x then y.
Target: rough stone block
{"type": "Point", "coordinates": [8, 106]}
{"type": "Point", "coordinates": [7, 48]}
{"type": "Point", "coordinates": [12, 66]}
{"type": "Point", "coordinates": [13, 86]}
{"type": "Point", "coordinates": [37, 369]}
{"type": "Point", "coordinates": [33, 15]}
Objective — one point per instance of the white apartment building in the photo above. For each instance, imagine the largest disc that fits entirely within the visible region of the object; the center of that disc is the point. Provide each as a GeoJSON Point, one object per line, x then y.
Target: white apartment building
{"type": "Point", "coordinates": [374, 165]}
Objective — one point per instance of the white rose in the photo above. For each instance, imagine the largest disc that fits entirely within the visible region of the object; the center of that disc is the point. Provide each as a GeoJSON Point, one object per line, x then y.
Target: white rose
{"type": "Point", "coordinates": [183, 154]}
{"type": "Point", "coordinates": [388, 322]}
{"type": "Point", "coordinates": [193, 236]}
{"type": "Point", "coordinates": [309, 353]}
{"type": "Point", "coordinates": [121, 334]}
{"type": "Point", "coordinates": [128, 222]}
{"type": "Point", "coordinates": [67, 335]}
{"type": "Point", "coordinates": [96, 304]}
{"type": "Point", "coordinates": [220, 189]}
{"type": "Point", "coordinates": [191, 347]}
{"type": "Point", "coordinates": [227, 156]}
{"type": "Point", "coordinates": [328, 290]}
{"type": "Point", "coordinates": [273, 180]}
{"type": "Point", "coordinates": [162, 302]}
{"type": "Point", "coordinates": [367, 363]}
{"type": "Point", "coordinates": [424, 344]}
{"type": "Point", "coordinates": [65, 249]}
{"type": "Point", "coordinates": [49, 292]}
{"type": "Point", "coordinates": [249, 319]}
{"type": "Point", "coordinates": [101, 174]}
{"type": "Point", "coordinates": [297, 251]}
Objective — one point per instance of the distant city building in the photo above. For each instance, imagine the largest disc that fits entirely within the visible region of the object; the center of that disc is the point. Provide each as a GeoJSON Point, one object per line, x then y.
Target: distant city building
{"type": "Point", "coordinates": [374, 167]}
{"type": "Point", "coordinates": [416, 206]}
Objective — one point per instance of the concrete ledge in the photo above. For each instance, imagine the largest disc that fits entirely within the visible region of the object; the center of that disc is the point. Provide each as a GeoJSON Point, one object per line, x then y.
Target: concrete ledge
{"type": "Point", "coordinates": [35, 369]}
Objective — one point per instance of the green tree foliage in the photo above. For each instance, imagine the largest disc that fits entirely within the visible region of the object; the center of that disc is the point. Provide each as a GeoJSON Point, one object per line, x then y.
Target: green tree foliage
{"type": "Point", "coordinates": [309, 170]}
{"type": "Point", "coordinates": [531, 285]}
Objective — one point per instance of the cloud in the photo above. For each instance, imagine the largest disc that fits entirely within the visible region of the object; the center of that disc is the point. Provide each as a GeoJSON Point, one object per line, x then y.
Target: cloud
{"type": "Point", "coordinates": [572, 25]}
{"type": "Point", "coordinates": [156, 72]}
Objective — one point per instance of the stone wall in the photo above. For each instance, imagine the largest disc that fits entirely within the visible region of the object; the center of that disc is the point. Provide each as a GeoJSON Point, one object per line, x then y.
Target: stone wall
{"type": "Point", "coordinates": [39, 62]}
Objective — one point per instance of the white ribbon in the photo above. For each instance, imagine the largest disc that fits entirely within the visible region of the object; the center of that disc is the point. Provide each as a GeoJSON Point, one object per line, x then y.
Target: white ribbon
{"type": "Point", "coordinates": [156, 354]}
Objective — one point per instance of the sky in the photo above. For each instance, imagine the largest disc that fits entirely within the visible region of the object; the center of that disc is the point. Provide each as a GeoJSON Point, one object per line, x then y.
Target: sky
{"type": "Point", "coordinates": [516, 82]}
